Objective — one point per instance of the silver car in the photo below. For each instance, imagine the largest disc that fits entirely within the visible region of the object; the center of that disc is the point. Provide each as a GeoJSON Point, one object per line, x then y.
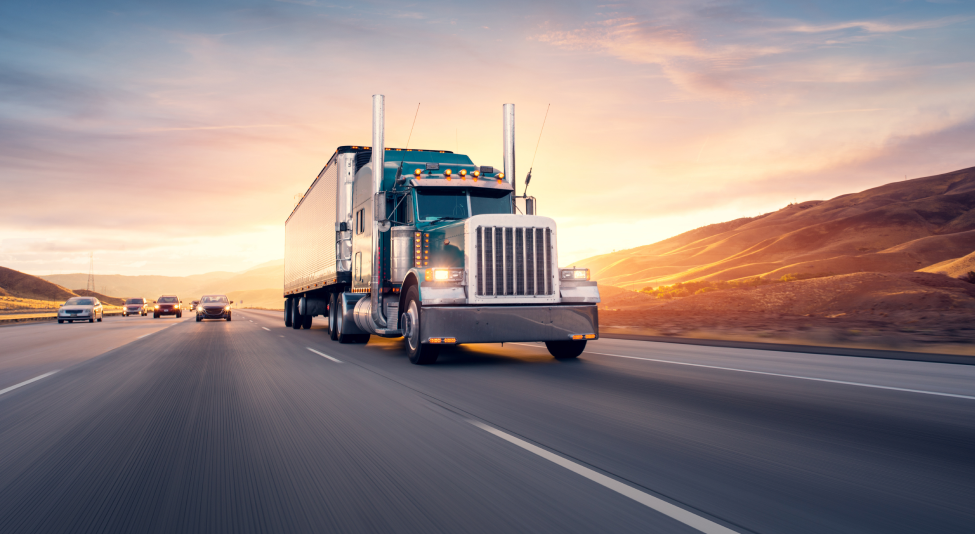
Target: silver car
{"type": "Point", "coordinates": [134, 307]}
{"type": "Point", "coordinates": [80, 309]}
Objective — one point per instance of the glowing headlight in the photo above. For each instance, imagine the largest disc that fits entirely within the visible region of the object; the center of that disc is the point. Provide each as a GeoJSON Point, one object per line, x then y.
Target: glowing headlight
{"type": "Point", "coordinates": [574, 274]}
{"type": "Point", "coordinates": [157, 306]}
{"type": "Point", "coordinates": [227, 307]}
{"type": "Point", "coordinates": [444, 275]}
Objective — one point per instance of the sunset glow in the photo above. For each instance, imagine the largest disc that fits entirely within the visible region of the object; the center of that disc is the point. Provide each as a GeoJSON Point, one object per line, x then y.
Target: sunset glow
{"type": "Point", "coordinates": [177, 139]}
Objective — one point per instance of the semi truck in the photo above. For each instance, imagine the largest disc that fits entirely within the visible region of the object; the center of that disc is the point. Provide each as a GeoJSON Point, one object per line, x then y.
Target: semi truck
{"type": "Point", "coordinates": [427, 246]}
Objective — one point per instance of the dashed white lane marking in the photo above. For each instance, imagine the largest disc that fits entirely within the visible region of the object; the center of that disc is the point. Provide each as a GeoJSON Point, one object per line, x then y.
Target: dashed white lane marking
{"type": "Point", "coordinates": [860, 384]}
{"type": "Point", "coordinates": [280, 336]}
{"type": "Point", "coordinates": [325, 355]}
{"type": "Point", "coordinates": [266, 328]}
{"type": "Point", "coordinates": [664, 507]}
{"type": "Point", "coordinates": [35, 379]}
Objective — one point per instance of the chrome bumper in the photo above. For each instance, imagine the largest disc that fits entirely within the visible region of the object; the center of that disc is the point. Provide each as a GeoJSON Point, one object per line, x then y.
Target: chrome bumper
{"type": "Point", "coordinates": [495, 324]}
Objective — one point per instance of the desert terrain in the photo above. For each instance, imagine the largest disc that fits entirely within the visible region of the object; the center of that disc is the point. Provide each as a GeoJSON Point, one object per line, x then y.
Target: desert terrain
{"type": "Point", "coordinates": [884, 268]}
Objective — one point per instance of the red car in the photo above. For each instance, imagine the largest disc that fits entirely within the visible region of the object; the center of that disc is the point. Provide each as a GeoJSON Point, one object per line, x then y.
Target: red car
{"type": "Point", "coordinates": [167, 305]}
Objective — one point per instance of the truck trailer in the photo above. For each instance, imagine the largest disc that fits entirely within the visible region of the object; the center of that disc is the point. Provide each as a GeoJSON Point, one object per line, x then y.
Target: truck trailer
{"type": "Point", "coordinates": [428, 246]}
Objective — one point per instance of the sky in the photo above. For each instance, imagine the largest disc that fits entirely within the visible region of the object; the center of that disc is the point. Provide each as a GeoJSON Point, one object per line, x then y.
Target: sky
{"type": "Point", "coordinates": [175, 137]}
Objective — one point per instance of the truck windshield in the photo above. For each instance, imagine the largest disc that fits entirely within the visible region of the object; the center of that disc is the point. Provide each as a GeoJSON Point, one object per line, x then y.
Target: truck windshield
{"type": "Point", "coordinates": [486, 201]}
{"type": "Point", "coordinates": [435, 204]}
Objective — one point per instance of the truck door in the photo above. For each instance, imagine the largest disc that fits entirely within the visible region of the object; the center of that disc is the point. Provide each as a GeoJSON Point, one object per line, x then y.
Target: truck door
{"type": "Point", "coordinates": [362, 230]}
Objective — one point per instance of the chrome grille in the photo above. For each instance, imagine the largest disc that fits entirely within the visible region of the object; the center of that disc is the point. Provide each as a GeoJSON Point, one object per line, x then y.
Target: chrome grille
{"type": "Point", "coordinates": [513, 261]}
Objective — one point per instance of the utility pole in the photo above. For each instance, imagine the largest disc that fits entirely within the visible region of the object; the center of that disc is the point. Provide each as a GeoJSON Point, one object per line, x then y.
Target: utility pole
{"type": "Point", "coordinates": [91, 273]}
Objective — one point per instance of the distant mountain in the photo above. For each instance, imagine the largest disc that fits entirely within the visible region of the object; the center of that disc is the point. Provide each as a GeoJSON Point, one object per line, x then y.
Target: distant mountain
{"type": "Point", "coordinates": [25, 286]}
{"type": "Point", "coordinates": [270, 299]}
{"type": "Point", "coordinates": [269, 275]}
{"type": "Point", "coordinates": [104, 299]}
{"type": "Point", "coordinates": [899, 227]}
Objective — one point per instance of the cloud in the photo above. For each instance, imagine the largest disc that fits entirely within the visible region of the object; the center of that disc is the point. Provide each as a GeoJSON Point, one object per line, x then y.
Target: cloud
{"type": "Point", "coordinates": [873, 26]}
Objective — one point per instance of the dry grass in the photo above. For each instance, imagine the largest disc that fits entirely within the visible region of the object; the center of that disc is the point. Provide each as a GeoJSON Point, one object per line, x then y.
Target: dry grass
{"type": "Point", "coordinates": [19, 305]}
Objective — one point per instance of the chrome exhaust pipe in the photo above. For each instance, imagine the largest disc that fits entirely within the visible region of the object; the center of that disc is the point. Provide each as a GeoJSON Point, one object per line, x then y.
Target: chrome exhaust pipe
{"type": "Point", "coordinates": [379, 204]}
{"type": "Point", "coordinates": [509, 149]}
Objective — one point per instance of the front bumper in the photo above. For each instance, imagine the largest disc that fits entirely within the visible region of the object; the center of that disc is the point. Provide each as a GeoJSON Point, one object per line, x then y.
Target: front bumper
{"type": "Point", "coordinates": [162, 311]}
{"type": "Point", "coordinates": [221, 314]}
{"type": "Point", "coordinates": [495, 324]}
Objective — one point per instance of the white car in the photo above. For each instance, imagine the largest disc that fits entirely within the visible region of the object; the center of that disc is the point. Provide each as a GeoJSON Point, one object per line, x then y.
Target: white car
{"type": "Point", "coordinates": [80, 309]}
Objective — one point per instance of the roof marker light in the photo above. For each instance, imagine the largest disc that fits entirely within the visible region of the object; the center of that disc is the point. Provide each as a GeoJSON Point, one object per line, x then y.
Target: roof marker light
{"type": "Point", "coordinates": [475, 174]}
{"type": "Point", "coordinates": [417, 172]}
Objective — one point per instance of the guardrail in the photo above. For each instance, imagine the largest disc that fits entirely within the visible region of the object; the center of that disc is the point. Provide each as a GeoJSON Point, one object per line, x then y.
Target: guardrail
{"type": "Point", "coordinates": [19, 318]}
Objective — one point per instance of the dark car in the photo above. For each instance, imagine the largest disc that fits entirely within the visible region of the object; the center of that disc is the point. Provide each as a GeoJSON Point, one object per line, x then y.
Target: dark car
{"type": "Point", "coordinates": [213, 307]}
{"type": "Point", "coordinates": [167, 305]}
{"type": "Point", "coordinates": [193, 305]}
{"type": "Point", "coordinates": [134, 307]}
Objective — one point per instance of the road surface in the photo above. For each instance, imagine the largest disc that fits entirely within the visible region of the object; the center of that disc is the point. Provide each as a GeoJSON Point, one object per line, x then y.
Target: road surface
{"type": "Point", "coordinates": [169, 425]}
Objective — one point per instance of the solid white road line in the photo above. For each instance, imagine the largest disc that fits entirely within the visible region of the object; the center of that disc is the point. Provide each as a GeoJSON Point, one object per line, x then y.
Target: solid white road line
{"type": "Point", "coordinates": [266, 328]}
{"type": "Point", "coordinates": [325, 355]}
{"type": "Point", "coordinates": [860, 384]}
{"type": "Point", "coordinates": [664, 507]}
{"type": "Point", "coordinates": [35, 379]}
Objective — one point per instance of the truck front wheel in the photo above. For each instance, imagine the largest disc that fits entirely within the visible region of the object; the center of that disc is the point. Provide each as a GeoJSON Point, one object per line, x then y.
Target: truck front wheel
{"type": "Point", "coordinates": [565, 350]}
{"type": "Point", "coordinates": [419, 353]}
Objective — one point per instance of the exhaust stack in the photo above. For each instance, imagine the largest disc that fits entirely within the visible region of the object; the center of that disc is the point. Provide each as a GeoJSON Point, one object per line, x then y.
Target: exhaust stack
{"type": "Point", "coordinates": [509, 149]}
{"type": "Point", "coordinates": [379, 203]}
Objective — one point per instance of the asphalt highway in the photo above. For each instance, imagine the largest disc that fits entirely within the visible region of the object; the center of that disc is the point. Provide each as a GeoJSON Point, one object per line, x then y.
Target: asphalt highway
{"type": "Point", "coordinates": [166, 425]}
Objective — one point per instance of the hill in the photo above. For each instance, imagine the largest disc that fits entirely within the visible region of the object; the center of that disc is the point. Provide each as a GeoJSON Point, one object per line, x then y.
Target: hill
{"type": "Point", "coordinates": [899, 227]}
{"type": "Point", "coordinates": [269, 299]}
{"type": "Point", "coordinates": [25, 286]}
{"type": "Point", "coordinates": [955, 268]}
{"type": "Point", "coordinates": [264, 276]}
{"type": "Point", "coordinates": [104, 299]}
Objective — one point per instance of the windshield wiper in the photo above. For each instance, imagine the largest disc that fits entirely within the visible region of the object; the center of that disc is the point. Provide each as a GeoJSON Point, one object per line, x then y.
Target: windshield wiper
{"type": "Point", "coordinates": [438, 219]}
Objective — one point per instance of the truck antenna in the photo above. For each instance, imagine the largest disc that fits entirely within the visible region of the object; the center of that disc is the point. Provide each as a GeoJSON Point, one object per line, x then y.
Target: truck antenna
{"type": "Point", "coordinates": [528, 179]}
{"type": "Point", "coordinates": [399, 171]}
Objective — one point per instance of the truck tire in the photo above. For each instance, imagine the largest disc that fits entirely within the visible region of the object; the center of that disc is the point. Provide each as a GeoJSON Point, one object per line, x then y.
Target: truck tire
{"type": "Point", "coordinates": [305, 322]}
{"type": "Point", "coordinates": [420, 353]}
{"type": "Point", "coordinates": [287, 312]}
{"type": "Point", "coordinates": [333, 304]}
{"type": "Point", "coordinates": [296, 320]}
{"type": "Point", "coordinates": [565, 350]}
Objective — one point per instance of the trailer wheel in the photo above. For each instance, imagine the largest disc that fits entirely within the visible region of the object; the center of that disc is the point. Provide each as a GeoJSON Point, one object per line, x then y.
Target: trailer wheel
{"type": "Point", "coordinates": [306, 322]}
{"type": "Point", "coordinates": [565, 350]}
{"type": "Point", "coordinates": [296, 320]}
{"type": "Point", "coordinates": [287, 312]}
{"type": "Point", "coordinates": [333, 304]}
{"type": "Point", "coordinates": [419, 353]}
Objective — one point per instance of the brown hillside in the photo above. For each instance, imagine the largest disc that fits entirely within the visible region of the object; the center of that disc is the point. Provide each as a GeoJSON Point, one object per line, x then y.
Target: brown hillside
{"type": "Point", "coordinates": [104, 299]}
{"type": "Point", "coordinates": [955, 267]}
{"type": "Point", "coordinates": [899, 227]}
{"type": "Point", "coordinates": [25, 286]}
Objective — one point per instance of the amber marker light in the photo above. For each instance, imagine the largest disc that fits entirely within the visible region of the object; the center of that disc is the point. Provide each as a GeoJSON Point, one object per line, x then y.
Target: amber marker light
{"type": "Point", "coordinates": [475, 174]}
{"type": "Point", "coordinates": [500, 176]}
{"type": "Point", "coordinates": [417, 172]}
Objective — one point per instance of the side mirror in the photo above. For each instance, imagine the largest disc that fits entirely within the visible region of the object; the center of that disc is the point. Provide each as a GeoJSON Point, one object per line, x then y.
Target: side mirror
{"type": "Point", "coordinates": [231, 302]}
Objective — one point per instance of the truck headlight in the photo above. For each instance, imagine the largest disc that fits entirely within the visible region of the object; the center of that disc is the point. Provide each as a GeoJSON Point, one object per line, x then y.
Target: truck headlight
{"type": "Point", "coordinates": [574, 274]}
{"type": "Point", "coordinates": [444, 275]}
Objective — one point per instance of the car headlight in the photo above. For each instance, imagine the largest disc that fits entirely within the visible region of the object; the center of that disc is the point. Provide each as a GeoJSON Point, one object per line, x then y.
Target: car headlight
{"type": "Point", "coordinates": [157, 306]}
{"type": "Point", "coordinates": [574, 274]}
{"type": "Point", "coordinates": [444, 275]}
{"type": "Point", "coordinates": [227, 307]}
